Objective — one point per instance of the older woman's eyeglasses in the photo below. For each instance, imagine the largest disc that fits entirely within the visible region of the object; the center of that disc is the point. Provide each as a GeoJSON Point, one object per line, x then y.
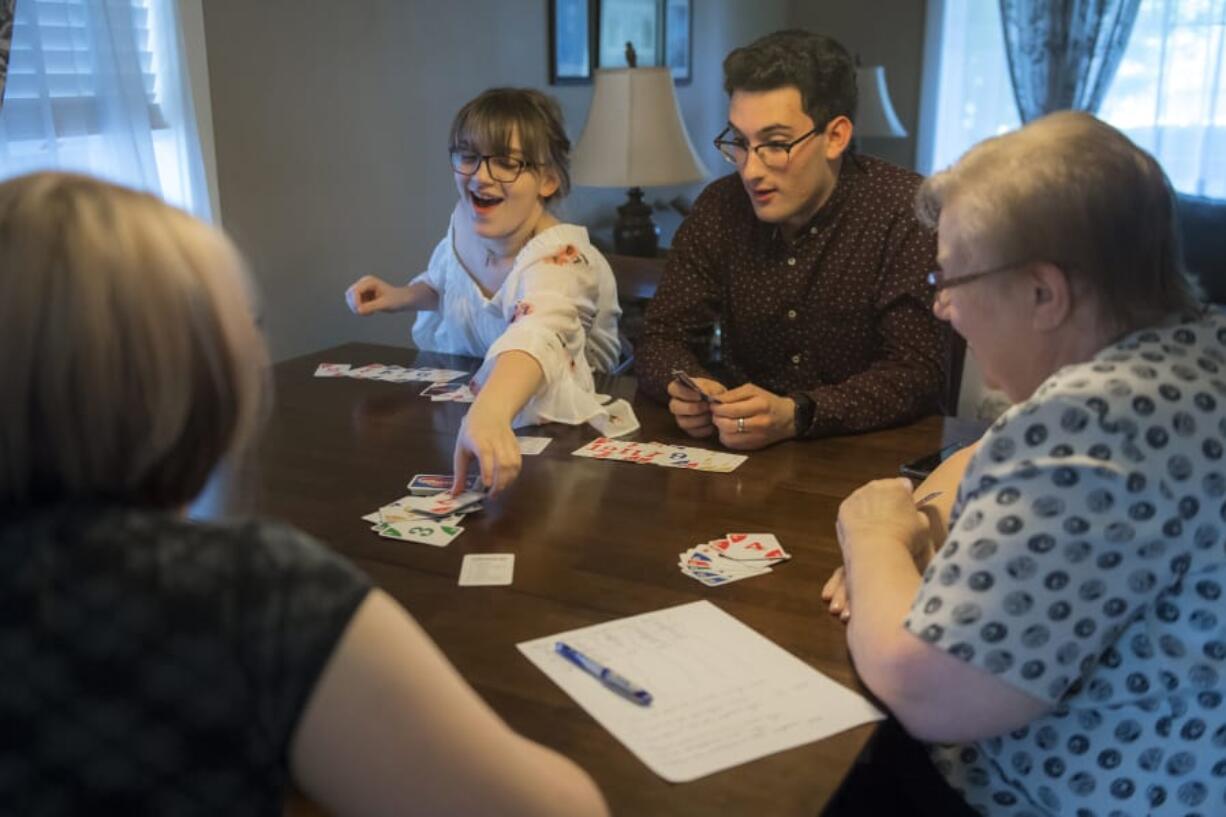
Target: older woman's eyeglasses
{"type": "Point", "coordinates": [774, 155]}
{"type": "Point", "coordinates": [939, 283]}
{"type": "Point", "coordinates": [504, 169]}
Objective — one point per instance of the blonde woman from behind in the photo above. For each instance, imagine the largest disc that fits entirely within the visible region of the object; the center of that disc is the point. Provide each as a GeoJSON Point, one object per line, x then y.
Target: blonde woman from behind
{"type": "Point", "coordinates": [156, 665]}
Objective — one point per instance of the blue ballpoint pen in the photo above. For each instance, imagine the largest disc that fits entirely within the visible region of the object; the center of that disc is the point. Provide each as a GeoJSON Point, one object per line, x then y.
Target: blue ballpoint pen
{"type": "Point", "coordinates": [622, 686]}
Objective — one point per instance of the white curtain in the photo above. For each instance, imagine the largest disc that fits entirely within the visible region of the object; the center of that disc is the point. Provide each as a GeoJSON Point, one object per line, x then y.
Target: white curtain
{"type": "Point", "coordinates": [1168, 95]}
{"type": "Point", "coordinates": [101, 87]}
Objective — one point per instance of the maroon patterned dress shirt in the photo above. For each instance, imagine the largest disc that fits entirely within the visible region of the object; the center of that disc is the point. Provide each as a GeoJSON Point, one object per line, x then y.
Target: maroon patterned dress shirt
{"type": "Point", "coordinates": [842, 313]}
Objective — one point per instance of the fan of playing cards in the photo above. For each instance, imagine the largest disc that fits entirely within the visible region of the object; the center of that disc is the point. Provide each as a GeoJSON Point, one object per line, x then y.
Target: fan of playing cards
{"type": "Point", "coordinates": [388, 374]}
{"type": "Point", "coordinates": [671, 456]}
{"type": "Point", "coordinates": [737, 556]}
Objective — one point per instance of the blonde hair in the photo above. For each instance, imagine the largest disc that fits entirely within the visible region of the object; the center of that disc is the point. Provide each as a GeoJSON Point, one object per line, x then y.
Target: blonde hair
{"type": "Point", "coordinates": [1072, 190]}
{"type": "Point", "coordinates": [128, 354]}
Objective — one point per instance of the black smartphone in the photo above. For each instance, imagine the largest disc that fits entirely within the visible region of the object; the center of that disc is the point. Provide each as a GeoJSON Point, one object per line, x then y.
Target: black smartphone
{"type": "Point", "coordinates": [919, 469]}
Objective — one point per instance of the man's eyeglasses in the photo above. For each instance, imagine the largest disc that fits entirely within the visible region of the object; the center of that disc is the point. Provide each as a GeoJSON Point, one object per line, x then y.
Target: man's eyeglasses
{"type": "Point", "coordinates": [504, 169]}
{"type": "Point", "coordinates": [774, 155]}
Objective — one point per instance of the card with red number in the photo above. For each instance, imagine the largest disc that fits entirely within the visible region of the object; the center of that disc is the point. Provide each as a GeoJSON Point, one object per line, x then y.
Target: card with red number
{"type": "Point", "coordinates": [751, 547]}
{"type": "Point", "coordinates": [732, 558]}
{"type": "Point", "coordinates": [444, 504]}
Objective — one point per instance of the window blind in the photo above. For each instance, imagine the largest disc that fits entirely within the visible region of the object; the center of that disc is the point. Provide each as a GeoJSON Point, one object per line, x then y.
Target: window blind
{"type": "Point", "coordinates": [57, 53]}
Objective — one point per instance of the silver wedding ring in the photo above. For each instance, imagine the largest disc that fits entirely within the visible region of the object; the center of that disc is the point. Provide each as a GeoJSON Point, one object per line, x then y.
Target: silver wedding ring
{"type": "Point", "coordinates": [740, 425]}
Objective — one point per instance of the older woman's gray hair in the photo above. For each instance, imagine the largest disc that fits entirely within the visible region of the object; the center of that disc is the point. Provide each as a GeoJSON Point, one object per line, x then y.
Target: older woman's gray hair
{"type": "Point", "coordinates": [1071, 190]}
{"type": "Point", "coordinates": [128, 354]}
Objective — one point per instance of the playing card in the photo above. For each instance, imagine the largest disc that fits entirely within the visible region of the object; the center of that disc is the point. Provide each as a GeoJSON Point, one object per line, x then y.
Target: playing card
{"type": "Point", "coordinates": [689, 383]}
{"type": "Point", "coordinates": [397, 515]}
{"type": "Point", "coordinates": [424, 533]}
{"type": "Point", "coordinates": [439, 375]}
{"type": "Point", "coordinates": [332, 370]}
{"type": "Point", "coordinates": [396, 374]}
{"type": "Point", "coordinates": [618, 421]}
{"type": "Point", "coordinates": [704, 557]}
{"type": "Point", "coordinates": [367, 372]}
{"type": "Point", "coordinates": [487, 569]}
{"type": "Point", "coordinates": [531, 446]}
{"type": "Point", "coordinates": [751, 547]}
{"type": "Point", "coordinates": [443, 504]}
{"type": "Point", "coordinates": [456, 392]}
{"type": "Point", "coordinates": [603, 448]}
{"type": "Point", "coordinates": [428, 484]}
{"type": "Point", "coordinates": [713, 579]}
{"type": "Point", "coordinates": [390, 373]}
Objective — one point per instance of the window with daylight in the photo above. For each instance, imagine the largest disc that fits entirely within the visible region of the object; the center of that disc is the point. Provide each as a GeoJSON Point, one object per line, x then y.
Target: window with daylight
{"type": "Point", "coordinates": [1168, 95]}
{"type": "Point", "coordinates": [100, 87]}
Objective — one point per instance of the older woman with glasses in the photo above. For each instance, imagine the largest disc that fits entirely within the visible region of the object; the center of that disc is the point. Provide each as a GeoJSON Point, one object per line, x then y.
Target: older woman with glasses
{"type": "Point", "coordinates": [1052, 624]}
{"type": "Point", "coordinates": [512, 284]}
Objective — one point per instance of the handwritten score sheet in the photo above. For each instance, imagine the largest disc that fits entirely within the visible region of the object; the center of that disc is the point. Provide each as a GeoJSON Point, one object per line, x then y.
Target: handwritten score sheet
{"type": "Point", "coordinates": [723, 694]}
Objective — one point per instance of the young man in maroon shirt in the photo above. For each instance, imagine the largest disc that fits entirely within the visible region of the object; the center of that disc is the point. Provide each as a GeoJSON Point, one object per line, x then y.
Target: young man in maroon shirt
{"type": "Point", "coordinates": [810, 259]}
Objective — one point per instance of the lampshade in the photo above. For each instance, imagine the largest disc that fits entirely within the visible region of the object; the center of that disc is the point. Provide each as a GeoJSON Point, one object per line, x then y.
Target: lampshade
{"type": "Point", "coordinates": [876, 115]}
{"type": "Point", "coordinates": [634, 136]}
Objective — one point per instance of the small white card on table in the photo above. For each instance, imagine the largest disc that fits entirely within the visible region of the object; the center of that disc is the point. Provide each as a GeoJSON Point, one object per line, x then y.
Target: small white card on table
{"type": "Point", "coordinates": [487, 569]}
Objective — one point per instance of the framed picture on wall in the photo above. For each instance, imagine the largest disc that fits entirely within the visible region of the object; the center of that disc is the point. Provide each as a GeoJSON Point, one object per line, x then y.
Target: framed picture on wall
{"type": "Point", "coordinates": [570, 41]}
{"type": "Point", "coordinates": [677, 39]}
{"type": "Point", "coordinates": [589, 34]}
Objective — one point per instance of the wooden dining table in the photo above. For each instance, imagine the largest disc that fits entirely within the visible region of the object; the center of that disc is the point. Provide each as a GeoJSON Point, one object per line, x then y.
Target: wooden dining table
{"type": "Point", "coordinates": [593, 541]}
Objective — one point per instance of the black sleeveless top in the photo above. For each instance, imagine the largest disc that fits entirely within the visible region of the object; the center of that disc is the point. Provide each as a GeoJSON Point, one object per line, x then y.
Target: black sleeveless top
{"type": "Point", "coordinates": [152, 665]}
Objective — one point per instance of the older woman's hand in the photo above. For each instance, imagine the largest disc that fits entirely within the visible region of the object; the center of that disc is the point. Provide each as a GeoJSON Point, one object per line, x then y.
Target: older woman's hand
{"type": "Point", "coordinates": [880, 513]}
{"type": "Point", "coordinates": [834, 593]}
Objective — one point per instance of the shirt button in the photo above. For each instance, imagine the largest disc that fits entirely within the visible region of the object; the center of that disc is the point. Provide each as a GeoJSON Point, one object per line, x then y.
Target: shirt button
{"type": "Point", "coordinates": [791, 314]}
{"type": "Point", "coordinates": [796, 359]}
{"type": "Point", "coordinates": [791, 262]}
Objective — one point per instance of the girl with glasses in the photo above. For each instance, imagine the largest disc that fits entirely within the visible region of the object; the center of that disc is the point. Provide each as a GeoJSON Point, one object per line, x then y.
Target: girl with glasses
{"type": "Point", "coordinates": [512, 284]}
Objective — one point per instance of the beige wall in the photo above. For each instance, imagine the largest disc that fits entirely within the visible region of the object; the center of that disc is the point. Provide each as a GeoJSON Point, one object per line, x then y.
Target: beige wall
{"type": "Point", "coordinates": [330, 125]}
{"type": "Point", "coordinates": [881, 32]}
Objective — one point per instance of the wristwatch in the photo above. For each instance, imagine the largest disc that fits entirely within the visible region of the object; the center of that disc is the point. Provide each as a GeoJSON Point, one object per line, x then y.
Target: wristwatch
{"type": "Point", "coordinates": [805, 411]}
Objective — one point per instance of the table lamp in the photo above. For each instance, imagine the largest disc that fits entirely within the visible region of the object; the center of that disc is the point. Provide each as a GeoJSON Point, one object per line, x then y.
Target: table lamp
{"type": "Point", "coordinates": [875, 117]}
{"type": "Point", "coordinates": [634, 138]}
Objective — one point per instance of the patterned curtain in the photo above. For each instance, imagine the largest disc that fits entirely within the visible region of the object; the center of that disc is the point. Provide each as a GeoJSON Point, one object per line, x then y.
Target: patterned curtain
{"type": "Point", "coordinates": [7, 10]}
{"type": "Point", "coordinates": [1063, 53]}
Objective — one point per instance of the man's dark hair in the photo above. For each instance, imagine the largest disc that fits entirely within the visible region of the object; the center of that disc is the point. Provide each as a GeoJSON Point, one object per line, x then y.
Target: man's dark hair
{"type": "Point", "coordinates": [815, 64]}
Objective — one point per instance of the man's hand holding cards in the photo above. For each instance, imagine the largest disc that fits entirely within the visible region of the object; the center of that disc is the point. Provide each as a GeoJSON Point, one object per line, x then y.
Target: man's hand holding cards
{"type": "Point", "coordinates": [690, 400]}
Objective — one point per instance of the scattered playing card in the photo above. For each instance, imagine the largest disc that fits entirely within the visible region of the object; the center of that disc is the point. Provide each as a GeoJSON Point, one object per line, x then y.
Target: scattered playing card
{"type": "Point", "coordinates": [673, 456]}
{"type": "Point", "coordinates": [332, 370]}
{"type": "Point", "coordinates": [439, 375]}
{"type": "Point", "coordinates": [487, 569]}
{"type": "Point", "coordinates": [533, 445]}
{"type": "Point", "coordinates": [397, 515]}
{"type": "Point", "coordinates": [456, 392]}
{"type": "Point", "coordinates": [425, 533]}
{"type": "Point", "coordinates": [618, 421]}
{"type": "Point", "coordinates": [367, 372]}
{"type": "Point", "coordinates": [400, 520]}
{"type": "Point", "coordinates": [443, 504]}
{"type": "Point", "coordinates": [429, 484]}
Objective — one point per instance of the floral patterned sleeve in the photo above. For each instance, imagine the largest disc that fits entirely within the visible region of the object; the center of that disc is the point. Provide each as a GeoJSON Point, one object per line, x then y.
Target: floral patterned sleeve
{"type": "Point", "coordinates": [543, 319]}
